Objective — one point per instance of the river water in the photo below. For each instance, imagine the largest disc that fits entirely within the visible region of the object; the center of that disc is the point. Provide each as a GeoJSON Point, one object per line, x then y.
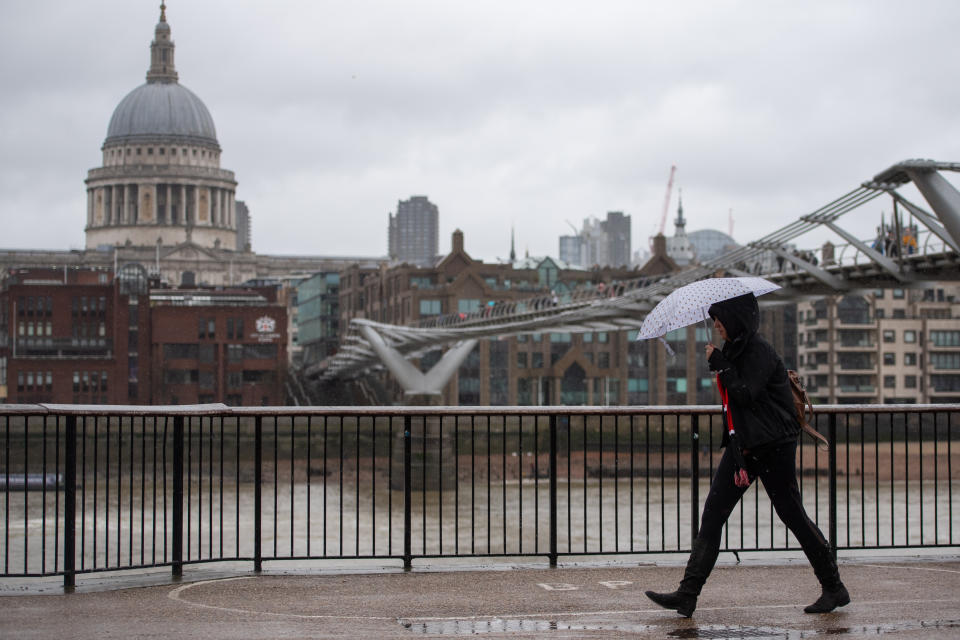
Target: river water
{"type": "Point", "coordinates": [335, 516]}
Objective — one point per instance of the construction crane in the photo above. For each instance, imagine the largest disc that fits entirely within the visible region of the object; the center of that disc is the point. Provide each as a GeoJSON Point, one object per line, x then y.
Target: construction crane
{"type": "Point", "coordinates": [666, 200]}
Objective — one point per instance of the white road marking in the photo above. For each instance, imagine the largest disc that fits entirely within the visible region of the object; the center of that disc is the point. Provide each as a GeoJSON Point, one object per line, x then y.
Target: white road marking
{"type": "Point", "coordinates": [176, 593]}
{"type": "Point", "coordinates": [897, 566]}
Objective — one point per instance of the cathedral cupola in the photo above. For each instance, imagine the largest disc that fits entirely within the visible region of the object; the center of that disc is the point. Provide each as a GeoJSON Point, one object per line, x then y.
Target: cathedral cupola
{"type": "Point", "coordinates": [162, 68]}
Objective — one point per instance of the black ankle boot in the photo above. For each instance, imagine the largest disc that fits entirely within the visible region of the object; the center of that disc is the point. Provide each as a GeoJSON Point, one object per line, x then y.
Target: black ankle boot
{"type": "Point", "coordinates": [682, 603]}
{"type": "Point", "coordinates": [829, 600]}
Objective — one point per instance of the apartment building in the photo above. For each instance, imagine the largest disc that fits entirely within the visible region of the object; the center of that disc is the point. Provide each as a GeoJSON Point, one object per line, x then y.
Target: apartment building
{"type": "Point", "coordinates": [888, 346]}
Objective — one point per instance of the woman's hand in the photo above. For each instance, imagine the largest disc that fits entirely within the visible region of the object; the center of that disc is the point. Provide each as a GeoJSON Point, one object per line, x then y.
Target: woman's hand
{"type": "Point", "coordinates": [741, 478]}
{"type": "Point", "coordinates": [709, 349]}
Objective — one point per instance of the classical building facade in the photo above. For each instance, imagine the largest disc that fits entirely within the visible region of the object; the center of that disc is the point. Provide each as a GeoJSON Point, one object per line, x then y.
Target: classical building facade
{"type": "Point", "coordinates": [161, 181]}
{"type": "Point", "coordinates": [161, 200]}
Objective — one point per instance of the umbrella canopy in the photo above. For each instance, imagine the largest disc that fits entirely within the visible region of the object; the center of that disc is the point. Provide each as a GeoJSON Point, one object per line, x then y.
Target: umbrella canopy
{"type": "Point", "coordinates": [689, 304]}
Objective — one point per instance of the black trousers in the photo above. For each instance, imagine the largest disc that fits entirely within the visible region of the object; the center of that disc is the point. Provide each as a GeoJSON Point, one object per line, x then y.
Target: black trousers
{"type": "Point", "coordinates": [776, 470]}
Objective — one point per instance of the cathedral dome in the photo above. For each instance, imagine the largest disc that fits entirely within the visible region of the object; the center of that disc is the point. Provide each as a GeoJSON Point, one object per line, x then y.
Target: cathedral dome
{"type": "Point", "coordinates": [161, 111]}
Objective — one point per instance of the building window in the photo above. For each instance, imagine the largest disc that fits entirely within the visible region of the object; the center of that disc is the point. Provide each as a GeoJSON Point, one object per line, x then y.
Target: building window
{"type": "Point", "coordinates": [889, 359]}
{"type": "Point", "coordinates": [898, 294]}
{"type": "Point", "coordinates": [175, 351]}
{"type": "Point", "coordinates": [909, 336]}
{"type": "Point", "coordinates": [207, 353]}
{"type": "Point", "coordinates": [603, 359]}
{"type": "Point", "coordinates": [889, 382]}
{"type": "Point", "coordinates": [468, 305]}
{"type": "Point", "coordinates": [522, 359]}
{"type": "Point", "coordinates": [537, 360]}
{"type": "Point", "coordinates": [910, 359]}
{"type": "Point", "coordinates": [889, 335]}
{"type": "Point", "coordinates": [945, 360]}
{"type": "Point", "coordinates": [430, 308]}
{"type": "Point", "coordinates": [945, 338]}
{"type": "Point", "coordinates": [910, 382]}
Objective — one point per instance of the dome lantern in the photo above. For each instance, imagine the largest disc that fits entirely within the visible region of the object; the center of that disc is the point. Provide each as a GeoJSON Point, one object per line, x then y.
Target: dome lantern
{"type": "Point", "coordinates": [162, 68]}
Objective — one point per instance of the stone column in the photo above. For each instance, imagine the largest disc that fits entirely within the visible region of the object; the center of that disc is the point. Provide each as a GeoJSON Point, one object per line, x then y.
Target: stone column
{"type": "Point", "coordinates": [214, 206]}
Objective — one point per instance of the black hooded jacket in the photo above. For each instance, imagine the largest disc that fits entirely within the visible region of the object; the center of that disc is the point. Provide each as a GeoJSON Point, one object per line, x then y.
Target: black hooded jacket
{"type": "Point", "coordinates": [759, 396]}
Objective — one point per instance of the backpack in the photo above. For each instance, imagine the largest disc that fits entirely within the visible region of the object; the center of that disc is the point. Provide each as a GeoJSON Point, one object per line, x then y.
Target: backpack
{"type": "Point", "coordinates": [802, 406]}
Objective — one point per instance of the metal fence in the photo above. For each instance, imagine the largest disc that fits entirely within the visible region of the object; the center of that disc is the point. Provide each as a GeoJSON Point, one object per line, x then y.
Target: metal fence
{"type": "Point", "coordinates": [89, 489]}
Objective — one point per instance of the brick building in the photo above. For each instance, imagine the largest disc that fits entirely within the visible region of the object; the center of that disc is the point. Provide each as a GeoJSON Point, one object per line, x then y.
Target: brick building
{"type": "Point", "coordinates": [85, 336]}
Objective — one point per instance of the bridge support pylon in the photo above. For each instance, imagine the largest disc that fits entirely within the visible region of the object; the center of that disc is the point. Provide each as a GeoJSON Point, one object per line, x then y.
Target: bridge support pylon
{"type": "Point", "coordinates": [418, 386]}
{"type": "Point", "coordinates": [942, 196]}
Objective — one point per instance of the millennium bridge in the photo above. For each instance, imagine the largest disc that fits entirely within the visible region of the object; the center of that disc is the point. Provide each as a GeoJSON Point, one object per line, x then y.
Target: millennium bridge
{"type": "Point", "coordinates": [842, 264]}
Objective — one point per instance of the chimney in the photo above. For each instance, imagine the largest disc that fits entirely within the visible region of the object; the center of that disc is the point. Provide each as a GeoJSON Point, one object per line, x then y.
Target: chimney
{"type": "Point", "coordinates": [457, 241]}
{"type": "Point", "coordinates": [659, 245]}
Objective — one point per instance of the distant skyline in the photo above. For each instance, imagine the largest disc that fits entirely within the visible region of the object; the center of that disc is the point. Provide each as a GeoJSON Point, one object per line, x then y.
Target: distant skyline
{"type": "Point", "coordinates": [506, 115]}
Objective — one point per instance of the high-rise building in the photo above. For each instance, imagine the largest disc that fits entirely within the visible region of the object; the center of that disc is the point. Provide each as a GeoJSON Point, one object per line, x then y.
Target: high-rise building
{"type": "Point", "coordinates": [571, 250]}
{"type": "Point", "coordinates": [604, 243]}
{"type": "Point", "coordinates": [617, 228]}
{"type": "Point", "coordinates": [413, 235]}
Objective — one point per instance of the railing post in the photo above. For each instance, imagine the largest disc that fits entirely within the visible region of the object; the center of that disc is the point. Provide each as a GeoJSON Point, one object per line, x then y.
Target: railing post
{"type": "Point", "coordinates": [694, 477]}
{"type": "Point", "coordinates": [832, 462]}
{"type": "Point", "coordinates": [257, 498]}
{"type": "Point", "coordinates": [177, 496]}
{"type": "Point", "coordinates": [407, 479]}
{"type": "Point", "coordinates": [70, 505]}
{"type": "Point", "coordinates": [553, 490]}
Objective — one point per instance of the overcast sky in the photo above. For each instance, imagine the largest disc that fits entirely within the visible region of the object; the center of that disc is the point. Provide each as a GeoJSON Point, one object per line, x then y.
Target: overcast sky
{"type": "Point", "coordinates": [516, 113]}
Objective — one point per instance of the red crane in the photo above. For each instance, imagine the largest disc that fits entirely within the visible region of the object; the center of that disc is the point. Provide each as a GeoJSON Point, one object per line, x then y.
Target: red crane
{"type": "Point", "coordinates": [666, 200]}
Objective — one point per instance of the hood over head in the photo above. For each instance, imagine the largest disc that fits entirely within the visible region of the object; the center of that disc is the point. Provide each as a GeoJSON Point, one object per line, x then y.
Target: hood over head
{"type": "Point", "coordinates": [740, 316]}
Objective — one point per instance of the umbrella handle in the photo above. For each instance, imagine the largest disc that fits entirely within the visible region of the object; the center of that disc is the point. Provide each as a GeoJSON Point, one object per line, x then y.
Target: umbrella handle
{"type": "Point", "coordinates": [706, 324]}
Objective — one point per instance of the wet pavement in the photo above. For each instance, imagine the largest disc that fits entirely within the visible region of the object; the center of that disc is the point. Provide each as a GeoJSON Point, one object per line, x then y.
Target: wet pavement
{"type": "Point", "coordinates": [893, 597]}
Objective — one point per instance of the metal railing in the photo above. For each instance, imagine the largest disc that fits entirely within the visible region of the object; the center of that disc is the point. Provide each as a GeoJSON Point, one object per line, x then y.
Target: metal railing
{"type": "Point", "coordinates": [90, 489]}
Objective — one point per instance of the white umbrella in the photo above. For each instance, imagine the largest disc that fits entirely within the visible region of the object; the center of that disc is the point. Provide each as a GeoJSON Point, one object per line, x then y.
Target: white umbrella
{"type": "Point", "coordinates": [689, 304]}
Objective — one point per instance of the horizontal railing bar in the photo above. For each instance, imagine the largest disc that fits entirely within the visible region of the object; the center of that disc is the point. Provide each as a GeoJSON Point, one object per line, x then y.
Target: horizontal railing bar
{"type": "Point", "coordinates": [221, 410]}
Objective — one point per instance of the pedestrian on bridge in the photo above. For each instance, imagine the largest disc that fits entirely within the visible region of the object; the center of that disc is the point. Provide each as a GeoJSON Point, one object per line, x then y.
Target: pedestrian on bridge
{"type": "Point", "coordinates": [760, 439]}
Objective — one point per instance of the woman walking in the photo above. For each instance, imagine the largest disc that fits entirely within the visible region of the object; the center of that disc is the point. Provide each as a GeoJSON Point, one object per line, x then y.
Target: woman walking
{"type": "Point", "coordinates": [759, 414]}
